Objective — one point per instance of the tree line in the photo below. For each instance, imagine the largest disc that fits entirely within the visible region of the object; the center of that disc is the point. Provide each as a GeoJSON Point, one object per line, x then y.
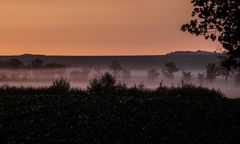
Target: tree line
{"type": "Point", "coordinates": [168, 70]}
{"type": "Point", "coordinates": [213, 71]}
{"type": "Point", "coordinates": [35, 63]}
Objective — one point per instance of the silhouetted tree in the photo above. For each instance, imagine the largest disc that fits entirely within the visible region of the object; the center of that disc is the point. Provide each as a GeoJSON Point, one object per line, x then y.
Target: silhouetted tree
{"type": "Point", "coordinates": [211, 72]}
{"type": "Point", "coordinates": [201, 78]}
{"type": "Point", "coordinates": [187, 76]}
{"type": "Point", "coordinates": [116, 67]}
{"type": "Point", "coordinates": [60, 86]}
{"type": "Point", "coordinates": [153, 74]}
{"type": "Point", "coordinates": [36, 63]}
{"type": "Point", "coordinates": [224, 72]}
{"type": "Point", "coordinates": [168, 70]}
{"type": "Point", "coordinates": [102, 85]}
{"type": "Point", "coordinates": [14, 63]}
{"type": "Point", "coordinates": [218, 19]}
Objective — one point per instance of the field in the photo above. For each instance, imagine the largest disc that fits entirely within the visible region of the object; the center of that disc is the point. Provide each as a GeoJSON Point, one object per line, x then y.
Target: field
{"type": "Point", "coordinates": [119, 72]}
{"type": "Point", "coordinates": [110, 112]}
{"type": "Point", "coordinates": [44, 77]}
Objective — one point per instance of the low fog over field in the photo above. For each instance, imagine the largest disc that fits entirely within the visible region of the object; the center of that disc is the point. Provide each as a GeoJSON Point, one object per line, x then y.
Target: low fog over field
{"type": "Point", "coordinates": [174, 69]}
{"type": "Point", "coordinates": [79, 77]}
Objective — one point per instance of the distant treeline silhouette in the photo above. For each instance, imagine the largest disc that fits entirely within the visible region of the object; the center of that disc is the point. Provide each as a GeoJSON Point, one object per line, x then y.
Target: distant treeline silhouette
{"type": "Point", "coordinates": [213, 70]}
{"type": "Point", "coordinates": [35, 63]}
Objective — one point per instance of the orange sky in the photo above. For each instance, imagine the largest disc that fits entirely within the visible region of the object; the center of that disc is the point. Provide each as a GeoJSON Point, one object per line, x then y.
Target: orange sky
{"type": "Point", "coordinates": [96, 27]}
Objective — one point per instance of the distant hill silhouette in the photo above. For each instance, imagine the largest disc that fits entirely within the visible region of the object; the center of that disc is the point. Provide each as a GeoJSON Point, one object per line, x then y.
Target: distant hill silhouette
{"type": "Point", "coordinates": [183, 59]}
{"type": "Point", "coordinates": [199, 52]}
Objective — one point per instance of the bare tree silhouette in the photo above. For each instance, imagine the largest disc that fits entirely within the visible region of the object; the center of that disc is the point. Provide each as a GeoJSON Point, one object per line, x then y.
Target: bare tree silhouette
{"type": "Point", "coordinates": [168, 70]}
{"type": "Point", "coordinates": [224, 72]}
{"type": "Point", "coordinates": [211, 72]}
{"type": "Point", "coordinates": [201, 78]}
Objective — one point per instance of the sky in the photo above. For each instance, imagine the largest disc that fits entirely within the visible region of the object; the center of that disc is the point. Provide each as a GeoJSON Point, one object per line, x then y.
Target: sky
{"type": "Point", "coordinates": [97, 27]}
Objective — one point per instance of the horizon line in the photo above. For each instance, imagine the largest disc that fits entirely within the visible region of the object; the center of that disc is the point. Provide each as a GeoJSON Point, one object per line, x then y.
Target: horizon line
{"type": "Point", "coordinates": [83, 55]}
{"type": "Point", "coordinates": [127, 55]}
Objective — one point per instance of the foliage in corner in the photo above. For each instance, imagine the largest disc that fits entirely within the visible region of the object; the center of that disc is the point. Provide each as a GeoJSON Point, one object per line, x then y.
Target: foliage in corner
{"type": "Point", "coordinates": [218, 20]}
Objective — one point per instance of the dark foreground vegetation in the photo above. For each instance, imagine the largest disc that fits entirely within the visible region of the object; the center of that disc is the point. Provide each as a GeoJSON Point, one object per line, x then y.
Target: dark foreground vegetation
{"type": "Point", "coordinates": [109, 112]}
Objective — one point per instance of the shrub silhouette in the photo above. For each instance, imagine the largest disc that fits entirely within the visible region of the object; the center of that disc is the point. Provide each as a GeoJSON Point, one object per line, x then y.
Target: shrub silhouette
{"type": "Point", "coordinates": [60, 86]}
{"type": "Point", "coordinates": [105, 84]}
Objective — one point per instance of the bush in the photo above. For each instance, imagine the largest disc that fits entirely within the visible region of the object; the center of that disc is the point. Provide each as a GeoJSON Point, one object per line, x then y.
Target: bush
{"type": "Point", "coordinates": [60, 86]}
{"type": "Point", "coordinates": [105, 84]}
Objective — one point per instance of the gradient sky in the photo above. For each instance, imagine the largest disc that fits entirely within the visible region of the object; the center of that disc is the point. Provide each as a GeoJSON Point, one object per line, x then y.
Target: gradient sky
{"type": "Point", "coordinates": [96, 27]}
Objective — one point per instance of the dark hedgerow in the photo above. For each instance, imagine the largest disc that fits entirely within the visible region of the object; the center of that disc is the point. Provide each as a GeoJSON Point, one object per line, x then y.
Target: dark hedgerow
{"type": "Point", "coordinates": [186, 114]}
